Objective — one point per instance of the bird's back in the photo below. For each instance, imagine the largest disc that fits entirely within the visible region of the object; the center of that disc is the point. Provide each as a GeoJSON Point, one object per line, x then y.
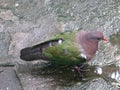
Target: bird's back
{"type": "Point", "coordinates": [67, 52]}
{"type": "Point", "coordinates": [61, 49]}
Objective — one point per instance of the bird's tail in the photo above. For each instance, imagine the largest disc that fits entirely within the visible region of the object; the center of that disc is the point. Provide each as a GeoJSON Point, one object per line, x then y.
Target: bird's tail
{"type": "Point", "coordinates": [31, 53]}
{"type": "Point", "coordinates": [36, 52]}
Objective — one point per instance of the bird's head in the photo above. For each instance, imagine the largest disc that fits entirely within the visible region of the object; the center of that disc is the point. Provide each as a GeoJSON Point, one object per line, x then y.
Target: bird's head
{"type": "Point", "coordinates": [95, 36]}
{"type": "Point", "coordinates": [89, 42]}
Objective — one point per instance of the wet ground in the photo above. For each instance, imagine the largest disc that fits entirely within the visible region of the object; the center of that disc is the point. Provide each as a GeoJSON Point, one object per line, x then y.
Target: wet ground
{"type": "Point", "coordinates": [25, 23]}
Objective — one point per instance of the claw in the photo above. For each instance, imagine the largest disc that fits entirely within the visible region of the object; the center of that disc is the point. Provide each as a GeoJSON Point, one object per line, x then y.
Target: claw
{"type": "Point", "coordinates": [80, 69]}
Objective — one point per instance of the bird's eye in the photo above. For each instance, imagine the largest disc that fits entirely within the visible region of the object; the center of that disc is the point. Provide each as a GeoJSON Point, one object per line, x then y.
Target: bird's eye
{"type": "Point", "coordinates": [98, 39]}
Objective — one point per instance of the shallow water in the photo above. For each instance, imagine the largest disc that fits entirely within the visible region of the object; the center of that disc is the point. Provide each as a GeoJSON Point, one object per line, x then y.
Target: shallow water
{"type": "Point", "coordinates": [64, 75]}
{"type": "Point", "coordinates": [67, 76]}
{"type": "Point", "coordinates": [60, 76]}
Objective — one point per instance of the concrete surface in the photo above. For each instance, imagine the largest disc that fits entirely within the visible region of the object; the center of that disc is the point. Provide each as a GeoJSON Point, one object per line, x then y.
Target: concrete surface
{"type": "Point", "coordinates": [25, 23]}
{"type": "Point", "coordinates": [9, 79]}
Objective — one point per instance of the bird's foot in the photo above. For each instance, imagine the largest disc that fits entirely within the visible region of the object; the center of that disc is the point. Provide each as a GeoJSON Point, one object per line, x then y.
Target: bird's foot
{"type": "Point", "coordinates": [80, 69]}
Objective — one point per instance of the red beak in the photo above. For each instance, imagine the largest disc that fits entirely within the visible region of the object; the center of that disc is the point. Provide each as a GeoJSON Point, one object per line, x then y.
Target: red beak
{"type": "Point", "coordinates": [105, 40]}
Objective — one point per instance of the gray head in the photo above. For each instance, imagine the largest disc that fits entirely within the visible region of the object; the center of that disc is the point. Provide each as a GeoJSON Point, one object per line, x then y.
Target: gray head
{"type": "Point", "coordinates": [95, 36]}
{"type": "Point", "coordinates": [89, 42]}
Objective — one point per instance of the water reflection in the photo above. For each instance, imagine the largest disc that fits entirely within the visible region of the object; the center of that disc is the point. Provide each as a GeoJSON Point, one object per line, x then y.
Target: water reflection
{"type": "Point", "coordinates": [111, 73]}
{"type": "Point", "coordinates": [67, 76]}
{"type": "Point", "coordinates": [64, 75]}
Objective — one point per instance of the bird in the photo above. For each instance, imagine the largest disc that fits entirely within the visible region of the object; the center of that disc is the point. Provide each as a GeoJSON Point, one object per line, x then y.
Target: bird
{"type": "Point", "coordinates": [65, 49]}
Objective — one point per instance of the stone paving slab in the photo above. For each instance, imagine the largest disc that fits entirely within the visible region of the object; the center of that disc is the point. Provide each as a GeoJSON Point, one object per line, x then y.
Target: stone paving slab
{"type": "Point", "coordinates": [9, 79]}
{"type": "Point", "coordinates": [28, 22]}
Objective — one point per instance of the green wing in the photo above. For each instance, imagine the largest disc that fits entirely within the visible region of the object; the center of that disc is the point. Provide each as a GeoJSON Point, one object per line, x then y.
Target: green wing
{"type": "Point", "coordinates": [66, 53]}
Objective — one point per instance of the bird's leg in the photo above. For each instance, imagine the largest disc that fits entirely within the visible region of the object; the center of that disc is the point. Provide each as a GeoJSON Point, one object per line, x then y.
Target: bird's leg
{"type": "Point", "coordinates": [80, 69]}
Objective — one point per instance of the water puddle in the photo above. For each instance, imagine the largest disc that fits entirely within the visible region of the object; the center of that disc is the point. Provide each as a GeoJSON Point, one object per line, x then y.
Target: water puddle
{"type": "Point", "coordinates": [110, 73]}
{"type": "Point", "coordinates": [68, 76]}
{"type": "Point", "coordinates": [64, 75]}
